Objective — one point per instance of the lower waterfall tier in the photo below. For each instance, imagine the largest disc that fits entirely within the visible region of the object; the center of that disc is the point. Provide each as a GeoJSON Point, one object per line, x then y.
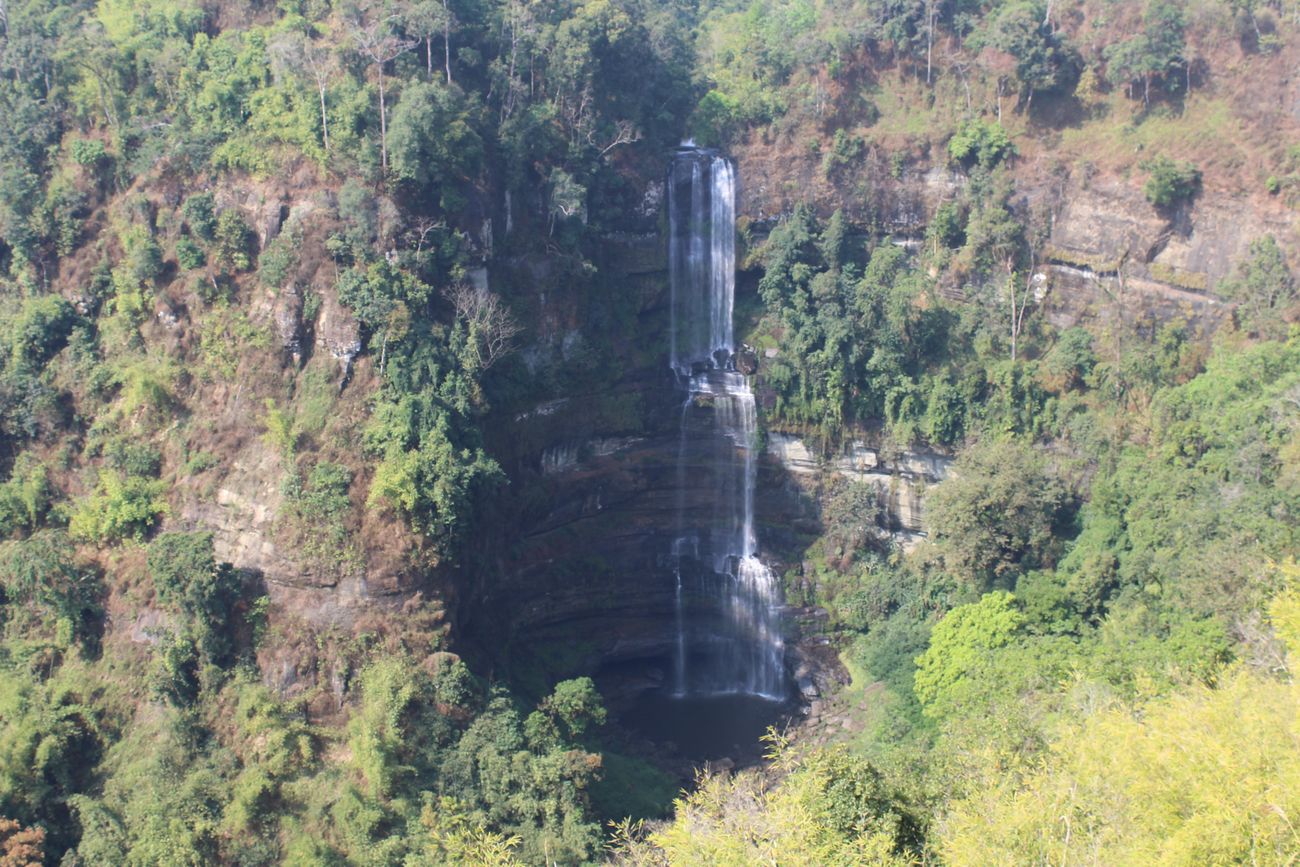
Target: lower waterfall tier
{"type": "Point", "coordinates": [716, 559]}
{"type": "Point", "coordinates": [589, 581]}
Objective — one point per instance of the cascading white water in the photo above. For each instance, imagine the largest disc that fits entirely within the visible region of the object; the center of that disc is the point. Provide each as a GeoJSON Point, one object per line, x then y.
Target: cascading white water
{"type": "Point", "coordinates": [702, 257]}
{"type": "Point", "coordinates": [745, 653]}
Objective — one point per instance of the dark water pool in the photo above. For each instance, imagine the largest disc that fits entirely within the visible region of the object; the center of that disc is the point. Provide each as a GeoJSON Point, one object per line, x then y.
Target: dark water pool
{"type": "Point", "coordinates": [706, 727]}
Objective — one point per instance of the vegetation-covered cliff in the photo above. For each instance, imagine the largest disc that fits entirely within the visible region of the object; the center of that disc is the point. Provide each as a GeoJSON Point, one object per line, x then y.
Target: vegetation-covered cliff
{"type": "Point", "coordinates": [335, 424]}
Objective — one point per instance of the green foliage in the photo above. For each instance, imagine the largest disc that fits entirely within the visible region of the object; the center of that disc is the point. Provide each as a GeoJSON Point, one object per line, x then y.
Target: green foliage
{"type": "Point", "coordinates": [422, 472]}
{"type": "Point", "coordinates": [1151, 55]}
{"type": "Point", "coordinates": [853, 518]}
{"type": "Point", "coordinates": [831, 809]}
{"type": "Point", "coordinates": [39, 330]}
{"type": "Point", "coordinates": [50, 742]}
{"type": "Point", "coordinates": [1023, 30]}
{"type": "Point", "coordinates": [279, 260]}
{"type": "Point", "coordinates": [188, 579]}
{"type": "Point", "coordinates": [1263, 288]}
{"type": "Point", "coordinates": [280, 434]}
{"type": "Point", "coordinates": [190, 255]}
{"type": "Point", "coordinates": [143, 259]}
{"type": "Point", "coordinates": [200, 213]}
{"type": "Point", "coordinates": [961, 643]}
{"type": "Point", "coordinates": [146, 384]}
{"type": "Point", "coordinates": [317, 516]}
{"type": "Point", "coordinates": [89, 153]}
{"type": "Point", "coordinates": [160, 802]}
{"type": "Point", "coordinates": [232, 242]}
{"type": "Point", "coordinates": [24, 496]}
{"type": "Point", "coordinates": [119, 507]}
{"type": "Point", "coordinates": [378, 730]}
{"type": "Point", "coordinates": [433, 147]}
{"type": "Point", "coordinates": [1170, 183]}
{"type": "Point", "coordinates": [177, 670]}
{"type": "Point", "coordinates": [1000, 513]}
{"type": "Point", "coordinates": [525, 786]}
{"type": "Point", "coordinates": [980, 142]}
{"type": "Point", "coordinates": [574, 705]}
{"type": "Point", "coordinates": [226, 336]}
{"type": "Point", "coordinates": [1206, 776]}
{"type": "Point", "coordinates": [1071, 361]}
{"type": "Point", "coordinates": [41, 573]}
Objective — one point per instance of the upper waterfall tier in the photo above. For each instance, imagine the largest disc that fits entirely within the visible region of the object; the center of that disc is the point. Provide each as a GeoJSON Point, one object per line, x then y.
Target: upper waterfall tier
{"type": "Point", "coordinates": [701, 253]}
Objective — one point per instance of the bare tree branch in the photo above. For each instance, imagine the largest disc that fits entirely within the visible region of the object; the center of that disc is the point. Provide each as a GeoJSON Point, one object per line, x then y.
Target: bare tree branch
{"type": "Point", "coordinates": [490, 325]}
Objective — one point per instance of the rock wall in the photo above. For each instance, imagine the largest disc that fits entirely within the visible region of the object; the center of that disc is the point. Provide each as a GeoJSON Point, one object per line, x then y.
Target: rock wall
{"type": "Point", "coordinates": [901, 480]}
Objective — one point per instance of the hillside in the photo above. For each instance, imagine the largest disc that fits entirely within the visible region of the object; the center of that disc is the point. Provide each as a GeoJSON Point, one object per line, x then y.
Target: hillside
{"type": "Point", "coordinates": [352, 483]}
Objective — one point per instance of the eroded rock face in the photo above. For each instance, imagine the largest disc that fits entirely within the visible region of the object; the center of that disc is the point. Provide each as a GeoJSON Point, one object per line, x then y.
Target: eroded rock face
{"type": "Point", "coordinates": [339, 333]}
{"type": "Point", "coordinates": [902, 480]}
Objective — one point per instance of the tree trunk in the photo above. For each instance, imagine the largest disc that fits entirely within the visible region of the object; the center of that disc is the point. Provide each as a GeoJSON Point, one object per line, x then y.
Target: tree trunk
{"type": "Point", "coordinates": [383, 123]}
{"type": "Point", "coordinates": [446, 38]}
{"type": "Point", "coordinates": [929, 38]}
{"type": "Point", "coordinates": [428, 54]}
{"type": "Point", "coordinates": [1011, 290]}
{"type": "Point", "coordinates": [324, 120]}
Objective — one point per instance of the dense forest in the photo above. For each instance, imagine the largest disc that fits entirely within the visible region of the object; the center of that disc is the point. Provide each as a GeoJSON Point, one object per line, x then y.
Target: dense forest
{"type": "Point", "coordinates": [283, 286]}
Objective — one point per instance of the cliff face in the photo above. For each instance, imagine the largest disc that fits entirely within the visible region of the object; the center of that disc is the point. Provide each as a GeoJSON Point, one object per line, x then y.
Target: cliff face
{"type": "Point", "coordinates": [593, 494]}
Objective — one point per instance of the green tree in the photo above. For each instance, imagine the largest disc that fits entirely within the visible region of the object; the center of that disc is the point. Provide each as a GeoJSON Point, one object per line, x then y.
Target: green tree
{"type": "Point", "coordinates": [1263, 288]}
{"type": "Point", "coordinates": [432, 146]}
{"type": "Point", "coordinates": [42, 572]}
{"type": "Point", "coordinates": [1151, 55]}
{"type": "Point", "coordinates": [188, 578]}
{"type": "Point", "coordinates": [980, 142]}
{"type": "Point", "coordinates": [1022, 30]}
{"type": "Point", "coordinates": [963, 642]}
{"type": "Point", "coordinates": [999, 512]}
{"type": "Point", "coordinates": [1169, 182]}
{"type": "Point", "coordinates": [118, 507]}
{"type": "Point", "coordinates": [1209, 775]}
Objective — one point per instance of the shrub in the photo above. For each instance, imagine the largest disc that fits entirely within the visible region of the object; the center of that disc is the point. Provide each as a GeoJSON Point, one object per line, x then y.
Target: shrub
{"type": "Point", "coordinates": [89, 153]}
{"type": "Point", "coordinates": [119, 507]}
{"type": "Point", "coordinates": [131, 457]}
{"type": "Point", "coordinates": [1071, 360]}
{"type": "Point", "coordinates": [200, 213]}
{"type": "Point", "coordinates": [40, 329]}
{"type": "Point", "coordinates": [960, 644]}
{"type": "Point", "coordinates": [1263, 288]}
{"type": "Point", "coordinates": [233, 242]}
{"type": "Point", "coordinates": [980, 142]}
{"type": "Point", "coordinates": [188, 578]}
{"type": "Point", "coordinates": [278, 261]}
{"type": "Point", "coordinates": [42, 572]}
{"type": "Point", "coordinates": [190, 255]}
{"type": "Point", "coordinates": [25, 496]}
{"type": "Point", "coordinates": [996, 516]}
{"type": "Point", "coordinates": [144, 258]}
{"type": "Point", "coordinates": [1169, 182]}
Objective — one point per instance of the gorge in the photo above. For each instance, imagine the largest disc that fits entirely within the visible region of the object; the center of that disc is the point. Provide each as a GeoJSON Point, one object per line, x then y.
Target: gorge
{"type": "Point", "coordinates": [452, 432]}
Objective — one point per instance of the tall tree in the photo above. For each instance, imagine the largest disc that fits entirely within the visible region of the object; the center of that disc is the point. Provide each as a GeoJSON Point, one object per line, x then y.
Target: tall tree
{"type": "Point", "coordinates": [426, 18]}
{"type": "Point", "coordinates": [375, 36]}
{"type": "Point", "coordinates": [300, 55]}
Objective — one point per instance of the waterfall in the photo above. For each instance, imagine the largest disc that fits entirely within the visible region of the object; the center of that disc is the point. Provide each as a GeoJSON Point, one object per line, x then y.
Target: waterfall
{"type": "Point", "coordinates": [715, 556]}
{"type": "Point", "coordinates": [702, 259]}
